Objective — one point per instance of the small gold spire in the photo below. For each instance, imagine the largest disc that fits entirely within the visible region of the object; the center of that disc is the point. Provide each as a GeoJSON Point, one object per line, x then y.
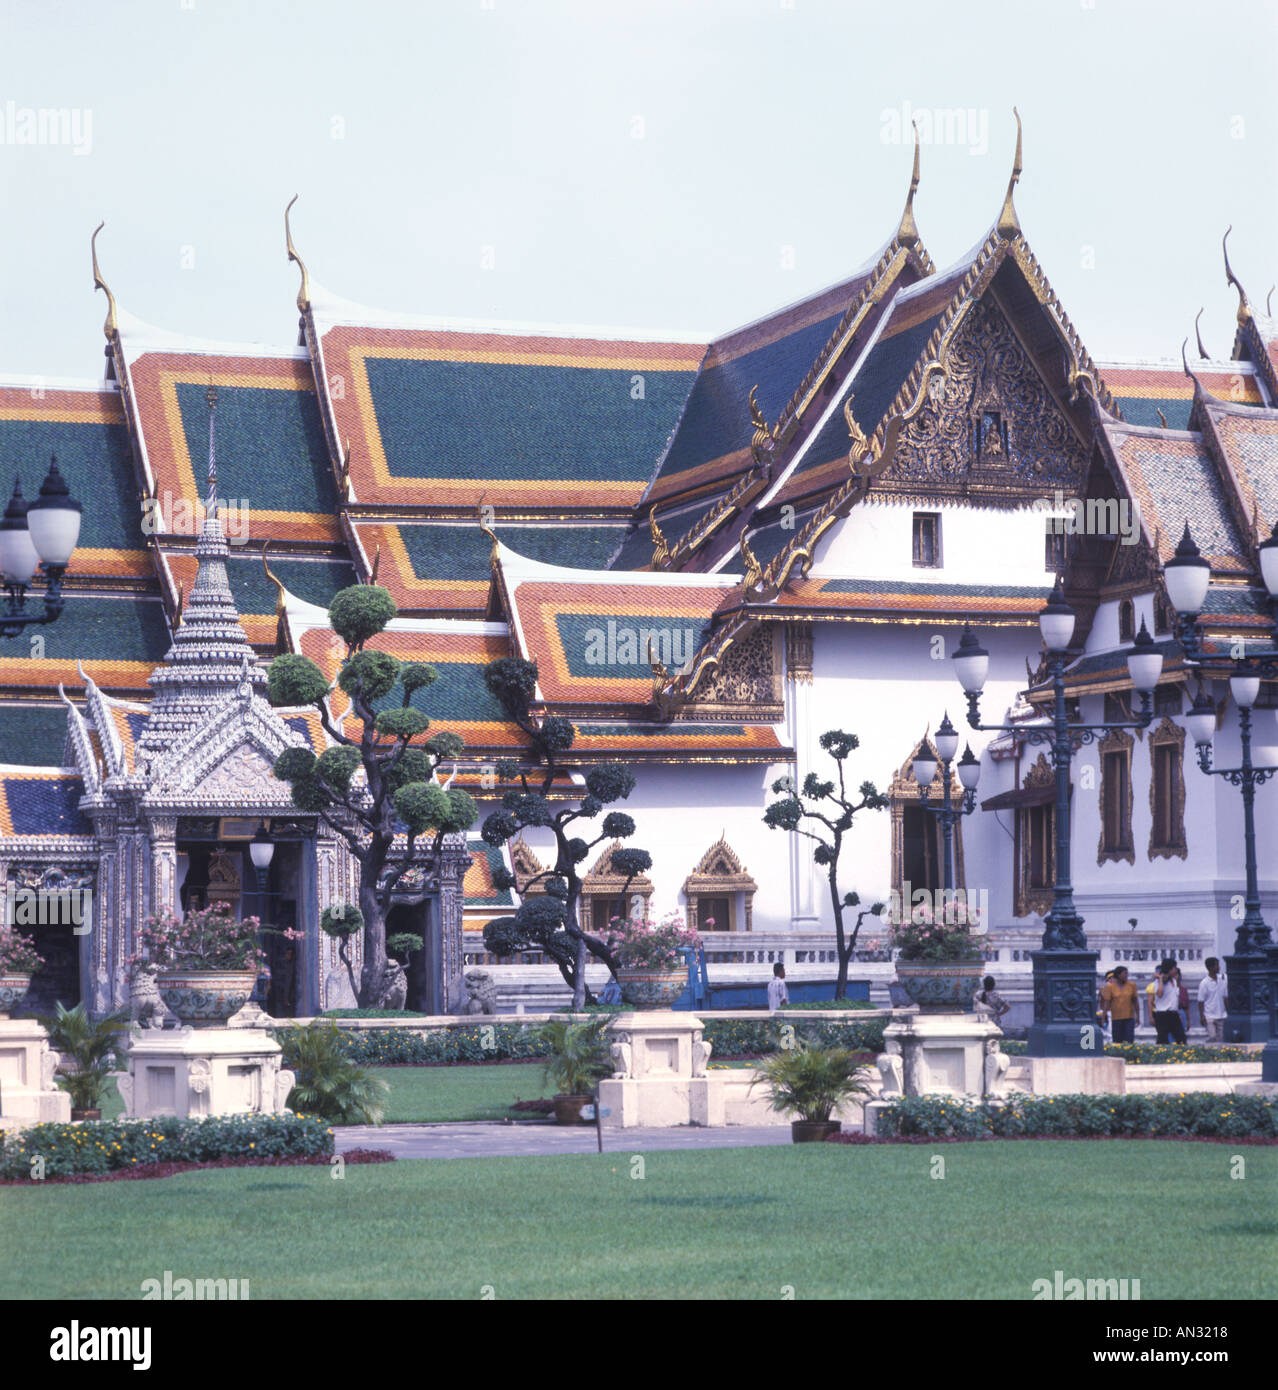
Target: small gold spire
{"type": "Point", "coordinates": [1244, 309]}
{"type": "Point", "coordinates": [908, 233]}
{"type": "Point", "coordinates": [754, 571]}
{"type": "Point", "coordinates": [181, 603]}
{"type": "Point", "coordinates": [304, 290]}
{"type": "Point", "coordinates": [112, 326]}
{"type": "Point", "coordinates": [1162, 419]}
{"type": "Point", "coordinates": [1202, 351]}
{"type": "Point", "coordinates": [494, 551]}
{"type": "Point", "coordinates": [1008, 224]}
{"type": "Point", "coordinates": [344, 483]}
{"type": "Point", "coordinates": [661, 550]}
{"type": "Point", "coordinates": [377, 560]}
{"type": "Point", "coordinates": [279, 588]}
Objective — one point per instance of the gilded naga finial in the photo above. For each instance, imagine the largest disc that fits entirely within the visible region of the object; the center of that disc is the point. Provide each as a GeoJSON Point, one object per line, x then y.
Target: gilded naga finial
{"type": "Point", "coordinates": [660, 550]}
{"type": "Point", "coordinates": [1162, 419]}
{"type": "Point", "coordinates": [659, 669]}
{"type": "Point", "coordinates": [280, 604]}
{"type": "Point", "coordinates": [494, 551]}
{"type": "Point", "coordinates": [754, 571]}
{"type": "Point", "coordinates": [761, 440]}
{"type": "Point", "coordinates": [112, 325]}
{"type": "Point", "coordinates": [304, 290]}
{"type": "Point", "coordinates": [344, 481]}
{"type": "Point", "coordinates": [1244, 308]}
{"type": "Point", "coordinates": [377, 560]}
{"type": "Point", "coordinates": [1202, 351]}
{"type": "Point", "coordinates": [860, 444]}
{"type": "Point", "coordinates": [863, 458]}
{"type": "Point", "coordinates": [908, 233]}
{"type": "Point", "coordinates": [1009, 224]}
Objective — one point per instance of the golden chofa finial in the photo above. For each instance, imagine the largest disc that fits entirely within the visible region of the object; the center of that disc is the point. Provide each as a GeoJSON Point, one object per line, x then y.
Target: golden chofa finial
{"type": "Point", "coordinates": [1202, 351]}
{"type": "Point", "coordinates": [908, 233]}
{"type": "Point", "coordinates": [304, 290]}
{"type": "Point", "coordinates": [761, 440]}
{"type": "Point", "coordinates": [112, 326]}
{"type": "Point", "coordinates": [1244, 309]}
{"type": "Point", "coordinates": [1008, 223]}
{"type": "Point", "coordinates": [344, 480]}
{"type": "Point", "coordinates": [280, 604]}
{"type": "Point", "coordinates": [660, 548]}
{"type": "Point", "coordinates": [494, 549]}
{"type": "Point", "coordinates": [753, 570]}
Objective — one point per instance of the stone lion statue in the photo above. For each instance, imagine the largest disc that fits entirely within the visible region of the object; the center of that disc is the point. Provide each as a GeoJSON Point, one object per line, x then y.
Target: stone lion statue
{"type": "Point", "coordinates": [146, 1008]}
{"type": "Point", "coordinates": [481, 994]}
{"type": "Point", "coordinates": [394, 985]}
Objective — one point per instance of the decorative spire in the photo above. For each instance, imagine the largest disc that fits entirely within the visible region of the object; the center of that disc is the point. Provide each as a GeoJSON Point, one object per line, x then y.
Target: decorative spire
{"type": "Point", "coordinates": [1244, 308]}
{"type": "Point", "coordinates": [908, 233]}
{"type": "Point", "coordinates": [111, 326]}
{"type": "Point", "coordinates": [304, 289]}
{"type": "Point", "coordinates": [1162, 419]}
{"type": "Point", "coordinates": [1008, 223]}
{"type": "Point", "coordinates": [1202, 351]}
{"type": "Point", "coordinates": [210, 658]}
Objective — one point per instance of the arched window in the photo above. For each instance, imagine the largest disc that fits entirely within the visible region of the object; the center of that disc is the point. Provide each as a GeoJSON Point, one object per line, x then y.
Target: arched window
{"type": "Point", "coordinates": [1126, 621]}
{"type": "Point", "coordinates": [601, 891]}
{"type": "Point", "coordinates": [720, 888]}
{"type": "Point", "coordinates": [917, 841]}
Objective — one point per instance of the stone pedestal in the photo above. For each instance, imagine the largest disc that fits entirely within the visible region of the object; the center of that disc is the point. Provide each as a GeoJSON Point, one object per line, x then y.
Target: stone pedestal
{"type": "Point", "coordinates": [197, 1072]}
{"type": "Point", "coordinates": [28, 1095]}
{"type": "Point", "coordinates": [1249, 1001]}
{"type": "Point", "coordinates": [1064, 1003]}
{"type": "Point", "coordinates": [660, 1073]}
{"type": "Point", "coordinates": [939, 1055]}
{"type": "Point", "coordinates": [1073, 1076]}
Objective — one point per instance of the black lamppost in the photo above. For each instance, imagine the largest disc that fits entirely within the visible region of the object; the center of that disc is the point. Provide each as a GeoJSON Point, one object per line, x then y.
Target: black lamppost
{"type": "Point", "coordinates": [969, 771]}
{"type": "Point", "coordinates": [1253, 968]}
{"type": "Point", "coordinates": [39, 534]}
{"type": "Point", "coordinates": [1064, 969]}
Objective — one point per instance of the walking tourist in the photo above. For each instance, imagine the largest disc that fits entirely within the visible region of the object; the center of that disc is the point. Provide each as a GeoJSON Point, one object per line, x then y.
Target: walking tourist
{"type": "Point", "coordinates": [1119, 1005]}
{"type": "Point", "coordinates": [1211, 1001]}
{"type": "Point", "coordinates": [778, 994]}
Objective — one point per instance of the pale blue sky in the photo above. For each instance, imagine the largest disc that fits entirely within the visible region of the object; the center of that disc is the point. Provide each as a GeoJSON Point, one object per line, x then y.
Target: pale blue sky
{"type": "Point", "coordinates": [511, 125]}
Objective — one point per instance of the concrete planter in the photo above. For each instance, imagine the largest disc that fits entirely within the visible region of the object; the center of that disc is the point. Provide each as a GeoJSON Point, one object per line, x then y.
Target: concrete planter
{"type": "Point", "coordinates": [813, 1131]}
{"type": "Point", "coordinates": [14, 985]}
{"type": "Point", "coordinates": [941, 986]}
{"type": "Point", "coordinates": [568, 1109]}
{"type": "Point", "coordinates": [652, 989]}
{"type": "Point", "coordinates": [206, 998]}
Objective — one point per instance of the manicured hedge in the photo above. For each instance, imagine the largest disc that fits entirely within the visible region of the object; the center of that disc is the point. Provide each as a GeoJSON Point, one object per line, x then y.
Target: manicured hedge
{"type": "Point", "coordinates": [499, 1042]}
{"type": "Point", "coordinates": [1152, 1054]}
{"type": "Point", "coordinates": [832, 1004]}
{"type": "Point", "coordinates": [104, 1146]}
{"type": "Point", "coordinates": [1195, 1113]}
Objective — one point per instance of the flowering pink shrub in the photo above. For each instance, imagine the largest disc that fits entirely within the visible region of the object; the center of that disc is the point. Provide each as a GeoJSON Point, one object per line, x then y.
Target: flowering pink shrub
{"type": "Point", "coordinates": [920, 933]}
{"type": "Point", "coordinates": [644, 945]}
{"type": "Point", "coordinates": [207, 939]}
{"type": "Point", "coordinates": [17, 953]}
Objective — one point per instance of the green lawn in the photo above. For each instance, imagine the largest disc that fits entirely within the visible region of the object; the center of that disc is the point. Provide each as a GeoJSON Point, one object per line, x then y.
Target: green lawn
{"type": "Point", "coordinates": [825, 1220]}
{"type": "Point", "coordinates": [438, 1093]}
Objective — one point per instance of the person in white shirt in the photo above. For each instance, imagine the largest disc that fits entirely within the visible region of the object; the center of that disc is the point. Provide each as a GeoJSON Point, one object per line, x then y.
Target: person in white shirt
{"type": "Point", "coordinates": [777, 992]}
{"type": "Point", "coordinates": [1211, 1001]}
{"type": "Point", "coordinates": [1166, 1008]}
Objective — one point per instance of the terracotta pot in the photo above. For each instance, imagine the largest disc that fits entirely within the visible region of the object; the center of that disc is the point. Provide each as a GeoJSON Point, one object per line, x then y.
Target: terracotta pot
{"type": "Point", "coordinates": [941, 986]}
{"type": "Point", "coordinates": [205, 998]}
{"type": "Point", "coordinates": [14, 985]}
{"type": "Point", "coordinates": [813, 1131]}
{"type": "Point", "coordinates": [86, 1114]}
{"type": "Point", "coordinates": [652, 989]}
{"type": "Point", "coordinates": [568, 1109]}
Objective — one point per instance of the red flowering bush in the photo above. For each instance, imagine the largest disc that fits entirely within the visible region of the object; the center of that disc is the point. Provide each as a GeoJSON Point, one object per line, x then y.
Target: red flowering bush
{"type": "Point", "coordinates": [207, 939]}
{"type": "Point", "coordinates": [642, 945]}
{"type": "Point", "coordinates": [17, 954]}
{"type": "Point", "coordinates": [919, 933]}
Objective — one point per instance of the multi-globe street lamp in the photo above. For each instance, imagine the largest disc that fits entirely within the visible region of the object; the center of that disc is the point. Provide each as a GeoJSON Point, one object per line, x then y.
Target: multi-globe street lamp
{"type": "Point", "coordinates": [946, 744]}
{"type": "Point", "coordinates": [1064, 969]}
{"type": "Point", "coordinates": [1252, 970]}
{"type": "Point", "coordinates": [41, 534]}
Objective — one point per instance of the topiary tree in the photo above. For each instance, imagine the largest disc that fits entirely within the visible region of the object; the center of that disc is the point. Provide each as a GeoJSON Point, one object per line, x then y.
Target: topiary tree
{"type": "Point", "coordinates": [829, 811]}
{"type": "Point", "coordinates": [398, 791]}
{"type": "Point", "coordinates": [549, 921]}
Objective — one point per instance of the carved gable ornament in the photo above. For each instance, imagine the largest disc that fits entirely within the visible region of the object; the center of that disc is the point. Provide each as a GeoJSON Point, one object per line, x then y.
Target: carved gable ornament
{"type": "Point", "coordinates": [228, 762]}
{"type": "Point", "coordinates": [995, 429]}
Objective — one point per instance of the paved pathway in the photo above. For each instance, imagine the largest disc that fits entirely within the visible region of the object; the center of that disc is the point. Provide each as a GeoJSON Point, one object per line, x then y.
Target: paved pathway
{"type": "Point", "coordinates": [496, 1139]}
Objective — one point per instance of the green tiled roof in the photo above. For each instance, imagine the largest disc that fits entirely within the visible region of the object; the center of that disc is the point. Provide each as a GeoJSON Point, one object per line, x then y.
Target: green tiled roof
{"type": "Point", "coordinates": [664, 731]}
{"type": "Point", "coordinates": [584, 637]}
{"type": "Point", "coordinates": [95, 460]}
{"type": "Point", "coordinates": [461, 552]}
{"type": "Point", "coordinates": [910, 586]}
{"type": "Point", "coordinates": [486, 420]}
{"type": "Point", "coordinates": [33, 735]}
{"type": "Point", "coordinates": [107, 629]}
{"type": "Point", "coordinates": [458, 696]}
{"type": "Point", "coordinates": [271, 451]}
{"type": "Point", "coordinates": [499, 897]}
{"type": "Point", "coordinates": [315, 581]}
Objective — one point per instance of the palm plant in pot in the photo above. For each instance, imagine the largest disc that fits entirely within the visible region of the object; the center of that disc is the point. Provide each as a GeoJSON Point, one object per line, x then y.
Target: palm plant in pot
{"type": "Point", "coordinates": [811, 1083]}
{"type": "Point", "coordinates": [19, 960]}
{"type": "Point", "coordinates": [578, 1060]}
{"type": "Point", "coordinates": [940, 956]}
{"type": "Point", "coordinates": [89, 1052]}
